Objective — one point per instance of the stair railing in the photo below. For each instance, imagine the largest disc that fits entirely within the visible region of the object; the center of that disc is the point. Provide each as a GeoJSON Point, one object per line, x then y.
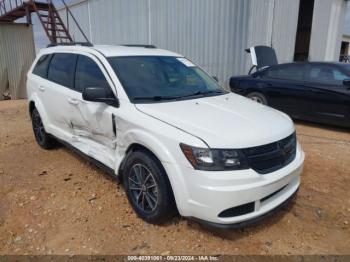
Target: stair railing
{"type": "Point", "coordinates": [75, 21]}
{"type": "Point", "coordinates": [8, 5]}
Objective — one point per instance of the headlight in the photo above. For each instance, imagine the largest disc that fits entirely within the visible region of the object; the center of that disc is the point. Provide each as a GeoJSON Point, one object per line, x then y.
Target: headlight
{"type": "Point", "coordinates": [214, 159]}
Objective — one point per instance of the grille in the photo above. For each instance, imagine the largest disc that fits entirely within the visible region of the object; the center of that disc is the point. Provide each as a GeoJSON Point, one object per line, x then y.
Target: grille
{"type": "Point", "coordinates": [271, 157]}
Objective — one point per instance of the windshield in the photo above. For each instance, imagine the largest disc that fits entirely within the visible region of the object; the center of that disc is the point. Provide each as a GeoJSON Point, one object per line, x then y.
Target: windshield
{"type": "Point", "coordinates": [158, 78]}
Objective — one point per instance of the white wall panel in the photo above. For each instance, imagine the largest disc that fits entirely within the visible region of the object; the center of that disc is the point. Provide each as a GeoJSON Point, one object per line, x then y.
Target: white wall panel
{"type": "Point", "coordinates": [119, 21]}
{"type": "Point", "coordinates": [326, 31]}
{"type": "Point", "coordinates": [285, 23]}
{"type": "Point", "coordinates": [211, 33]}
{"type": "Point", "coordinates": [17, 53]}
{"type": "Point", "coordinates": [274, 23]}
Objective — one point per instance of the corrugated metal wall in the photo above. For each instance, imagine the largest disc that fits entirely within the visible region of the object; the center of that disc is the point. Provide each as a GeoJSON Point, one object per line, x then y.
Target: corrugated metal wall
{"type": "Point", "coordinates": [261, 22]}
{"type": "Point", "coordinates": [17, 53]}
{"type": "Point", "coordinates": [118, 21]}
{"type": "Point", "coordinates": [285, 24]}
{"type": "Point", "coordinates": [327, 26]}
{"type": "Point", "coordinates": [274, 23]}
{"type": "Point", "coordinates": [212, 33]}
{"type": "Point", "coordinates": [81, 13]}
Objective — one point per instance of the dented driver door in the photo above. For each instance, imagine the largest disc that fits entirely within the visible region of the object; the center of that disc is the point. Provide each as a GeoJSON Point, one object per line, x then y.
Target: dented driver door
{"type": "Point", "coordinates": [93, 123]}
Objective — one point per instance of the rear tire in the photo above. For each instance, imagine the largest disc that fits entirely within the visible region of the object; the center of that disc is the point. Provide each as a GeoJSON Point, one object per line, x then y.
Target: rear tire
{"type": "Point", "coordinates": [148, 188]}
{"type": "Point", "coordinates": [257, 97]}
{"type": "Point", "coordinates": [44, 139]}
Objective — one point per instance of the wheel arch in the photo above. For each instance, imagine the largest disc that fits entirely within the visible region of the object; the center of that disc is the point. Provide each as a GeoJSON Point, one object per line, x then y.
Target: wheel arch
{"type": "Point", "coordinates": [255, 87]}
{"type": "Point", "coordinates": [164, 149]}
{"type": "Point", "coordinates": [31, 108]}
{"type": "Point", "coordinates": [137, 147]}
{"type": "Point", "coordinates": [246, 85]}
{"type": "Point", "coordinates": [132, 148]}
{"type": "Point", "coordinates": [163, 142]}
{"type": "Point", "coordinates": [35, 103]}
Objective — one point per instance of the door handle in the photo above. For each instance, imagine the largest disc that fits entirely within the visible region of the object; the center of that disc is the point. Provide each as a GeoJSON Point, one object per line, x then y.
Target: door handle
{"type": "Point", "coordinates": [73, 101]}
{"type": "Point", "coordinates": [41, 88]}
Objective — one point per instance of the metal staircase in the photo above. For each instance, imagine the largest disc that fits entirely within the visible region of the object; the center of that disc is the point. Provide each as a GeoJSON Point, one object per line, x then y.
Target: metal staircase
{"type": "Point", "coordinates": [56, 31]}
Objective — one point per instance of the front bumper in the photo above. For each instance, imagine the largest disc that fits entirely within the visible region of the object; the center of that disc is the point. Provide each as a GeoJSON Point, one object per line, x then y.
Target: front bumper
{"type": "Point", "coordinates": [249, 222]}
{"type": "Point", "coordinates": [204, 195]}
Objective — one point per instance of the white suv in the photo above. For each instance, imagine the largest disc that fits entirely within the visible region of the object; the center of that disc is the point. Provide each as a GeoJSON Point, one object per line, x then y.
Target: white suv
{"type": "Point", "coordinates": [167, 130]}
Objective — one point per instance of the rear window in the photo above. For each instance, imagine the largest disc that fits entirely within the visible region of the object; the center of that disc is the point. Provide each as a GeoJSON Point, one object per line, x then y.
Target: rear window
{"type": "Point", "coordinates": [42, 65]}
{"type": "Point", "coordinates": [62, 69]}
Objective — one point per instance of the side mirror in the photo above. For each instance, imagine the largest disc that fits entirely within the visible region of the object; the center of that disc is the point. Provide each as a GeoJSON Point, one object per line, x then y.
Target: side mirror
{"type": "Point", "coordinates": [216, 78]}
{"type": "Point", "coordinates": [100, 94]}
{"type": "Point", "coordinates": [346, 82]}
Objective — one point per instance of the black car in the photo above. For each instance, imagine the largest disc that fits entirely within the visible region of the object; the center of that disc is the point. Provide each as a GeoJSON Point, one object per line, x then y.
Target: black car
{"type": "Point", "coordinates": [312, 91]}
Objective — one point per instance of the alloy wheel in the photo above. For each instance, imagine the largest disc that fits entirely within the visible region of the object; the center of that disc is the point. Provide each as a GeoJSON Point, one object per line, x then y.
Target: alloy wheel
{"type": "Point", "coordinates": [143, 188]}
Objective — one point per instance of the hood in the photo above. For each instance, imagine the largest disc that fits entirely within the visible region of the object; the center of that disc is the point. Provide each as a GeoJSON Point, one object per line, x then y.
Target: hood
{"type": "Point", "coordinates": [225, 121]}
{"type": "Point", "coordinates": [262, 56]}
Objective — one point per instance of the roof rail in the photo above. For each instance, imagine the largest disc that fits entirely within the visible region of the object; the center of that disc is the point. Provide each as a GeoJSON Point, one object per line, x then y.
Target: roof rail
{"type": "Point", "coordinates": [71, 44]}
{"type": "Point", "coordinates": [138, 45]}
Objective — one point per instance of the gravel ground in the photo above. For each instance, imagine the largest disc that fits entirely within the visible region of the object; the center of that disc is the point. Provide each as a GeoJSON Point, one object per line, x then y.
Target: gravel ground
{"type": "Point", "coordinates": [54, 202]}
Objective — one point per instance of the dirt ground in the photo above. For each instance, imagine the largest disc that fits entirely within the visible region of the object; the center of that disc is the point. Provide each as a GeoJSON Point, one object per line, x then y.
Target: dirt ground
{"type": "Point", "coordinates": [54, 202]}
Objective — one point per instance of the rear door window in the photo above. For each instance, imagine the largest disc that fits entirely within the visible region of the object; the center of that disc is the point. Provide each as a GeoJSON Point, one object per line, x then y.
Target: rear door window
{"type": "Point", "coordinates": [42, 66]}
{"type": "Point", "coordinates": [62, 69]}
{"type": "Point", "coordinates": [288, 72]}
{"type": "Point", "coordinates": [89, 74]}
{"type": "Point", "coordinates": [326, 74]}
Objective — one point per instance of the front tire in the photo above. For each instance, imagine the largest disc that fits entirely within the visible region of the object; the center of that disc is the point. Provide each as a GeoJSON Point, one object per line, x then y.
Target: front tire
{"type": "Point", "coordinates": [44, 139]}
{"type": "Point", "coordinates": [147, 188]}
{"type": "Point", "coordinates": [257, 97]}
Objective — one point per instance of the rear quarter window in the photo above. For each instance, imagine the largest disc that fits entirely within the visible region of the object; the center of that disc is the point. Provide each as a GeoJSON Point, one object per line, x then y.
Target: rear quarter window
{"type": "Point", "coordinates": [62, 69]}
{"type": "Point", "coordinates": [42, 66]}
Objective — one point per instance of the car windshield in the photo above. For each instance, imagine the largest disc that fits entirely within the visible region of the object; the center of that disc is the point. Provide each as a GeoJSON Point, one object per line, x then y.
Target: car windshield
{"type": "Point", "coordinates": [162, 78]}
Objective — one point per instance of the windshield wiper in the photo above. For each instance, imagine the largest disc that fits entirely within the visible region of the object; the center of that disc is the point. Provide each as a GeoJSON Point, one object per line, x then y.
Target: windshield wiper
{"type": "Point", "coordinates": [155, 98]}
{"type": "Point", "coordinates": [160, 98]}
{"type": "Point", "coordinates": [202, 93]}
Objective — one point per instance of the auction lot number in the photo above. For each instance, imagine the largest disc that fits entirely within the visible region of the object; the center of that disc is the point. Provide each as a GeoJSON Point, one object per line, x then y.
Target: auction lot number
{"type": "Point", "coordinates": [173, 258]}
